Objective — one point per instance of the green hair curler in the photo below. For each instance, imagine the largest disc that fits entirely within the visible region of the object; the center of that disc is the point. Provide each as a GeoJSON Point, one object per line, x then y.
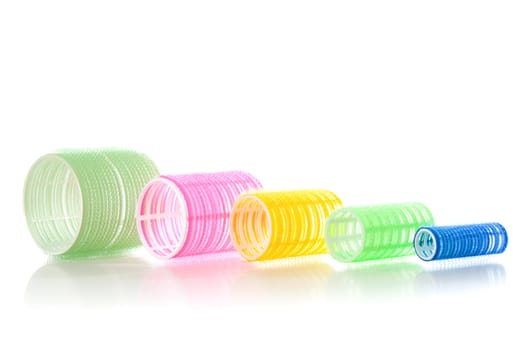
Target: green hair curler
{"type": "Point", "coordinates": [375, 232]}
{"type": "Point", "coordinates": [82, 202]}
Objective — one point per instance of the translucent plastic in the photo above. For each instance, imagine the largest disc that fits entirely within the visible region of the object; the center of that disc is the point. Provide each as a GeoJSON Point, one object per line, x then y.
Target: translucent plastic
{"type": "Point", "coordinates": [82, 202]}
{"type": "Point", "coordinates": [271, 225]}
{"type": "Point", "coordinates": [375, 232]}
{"type": "Point", "coordinates": [181, 215]}
{"type": "Point", "coordinates": [445, 242]}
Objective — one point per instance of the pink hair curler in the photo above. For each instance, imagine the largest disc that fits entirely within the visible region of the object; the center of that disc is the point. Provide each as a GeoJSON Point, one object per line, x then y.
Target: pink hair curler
{"type": "Point", "coordinates": [181, 215]}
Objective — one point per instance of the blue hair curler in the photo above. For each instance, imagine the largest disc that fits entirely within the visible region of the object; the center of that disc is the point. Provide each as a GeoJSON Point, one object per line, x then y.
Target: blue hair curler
{"type": "Point", "coordinates": [447, 242]}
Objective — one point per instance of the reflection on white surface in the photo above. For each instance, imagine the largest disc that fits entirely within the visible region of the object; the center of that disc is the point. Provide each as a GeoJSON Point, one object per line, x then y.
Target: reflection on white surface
{"type": "Point", "coordinates": [226, 279]}
{"type": "Point", "coordinates": [375, 281]}
{"type": "Point", "coordinates": [286, 280]}
{"type": "Point", "coordinates": [402, 280]}
{"type": "Point", "coordinates": [460, 276]}
{"type": "Point", "coordinates": [199, 279]}
{"type": "Point", "coordinates": [107, 281]}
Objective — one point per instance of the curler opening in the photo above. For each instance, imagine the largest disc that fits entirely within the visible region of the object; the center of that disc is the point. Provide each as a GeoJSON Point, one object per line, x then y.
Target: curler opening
{"type": "Point", "coordinates": [53, 204]}
{"type": "Point", "coordinates": [345, 236]}
{"type": "Point", "coordinates": [425, 244]}
{"type": "Point", "coordinates": [251, 228]}
{"type": "Point", "coordinates": [162, 218]}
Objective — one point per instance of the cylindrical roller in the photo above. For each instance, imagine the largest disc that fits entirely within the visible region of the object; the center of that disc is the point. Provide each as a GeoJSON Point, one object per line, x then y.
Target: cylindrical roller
{"type": "Point", "coordinates": [81, 202]}
{"type": "Point", "coordinates": [446, 242]}
{"type": "Point", "coordinates": [271, 225]}
{"type": "Point", "coordinates": [375, 232]}
{"type": "Point", "coordinates": [181, 215]}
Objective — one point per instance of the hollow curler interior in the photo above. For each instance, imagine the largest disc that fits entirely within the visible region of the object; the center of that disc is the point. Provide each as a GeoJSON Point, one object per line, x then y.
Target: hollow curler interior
{"type": "Point", "coordinates": [53, 204]}
{"type": "Point", "coordinates": [272, 225]}
{"type": "Point", "coordinates": [162, 218]}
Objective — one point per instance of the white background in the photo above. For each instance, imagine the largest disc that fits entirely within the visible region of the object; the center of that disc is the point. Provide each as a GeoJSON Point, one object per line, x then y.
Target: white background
{"type": "Point", "coordinates": [379, 101]}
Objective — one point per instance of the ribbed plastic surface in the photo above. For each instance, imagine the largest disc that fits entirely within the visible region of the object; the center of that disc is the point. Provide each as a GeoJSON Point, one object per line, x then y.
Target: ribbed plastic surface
{"type": "Point", "coordinates": [181, 215]}
{"type": "Point", "coordinates": [271, 225]}
{"type": "Point", "coordinates": [375, 232]}
{"type": "Point", "coordinates": [445, 242]}
{"type": "Point", "coordinates": [82, 202]}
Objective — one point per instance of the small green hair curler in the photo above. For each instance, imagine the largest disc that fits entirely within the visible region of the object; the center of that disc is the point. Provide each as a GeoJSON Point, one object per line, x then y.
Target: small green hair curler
{"type": "Point", "coordinates": [375, 232]}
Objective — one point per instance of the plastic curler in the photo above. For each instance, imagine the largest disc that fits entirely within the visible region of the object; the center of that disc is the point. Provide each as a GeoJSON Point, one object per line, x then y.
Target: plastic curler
{"type": "Point", "coordinates": [375, 232]}
{"type": "Point", "coordinates": [271, 225]}
{"type": "Point", "coordinates": [446, 242]}
{"type": "Point", "coordinates": [82, 202]}
{"type": "Point", "coordinates": [183, 215]}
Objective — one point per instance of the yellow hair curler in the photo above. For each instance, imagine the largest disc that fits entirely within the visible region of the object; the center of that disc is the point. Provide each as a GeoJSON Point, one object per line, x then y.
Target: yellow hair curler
{"type": "Point", "coordinates": [272, 225]}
